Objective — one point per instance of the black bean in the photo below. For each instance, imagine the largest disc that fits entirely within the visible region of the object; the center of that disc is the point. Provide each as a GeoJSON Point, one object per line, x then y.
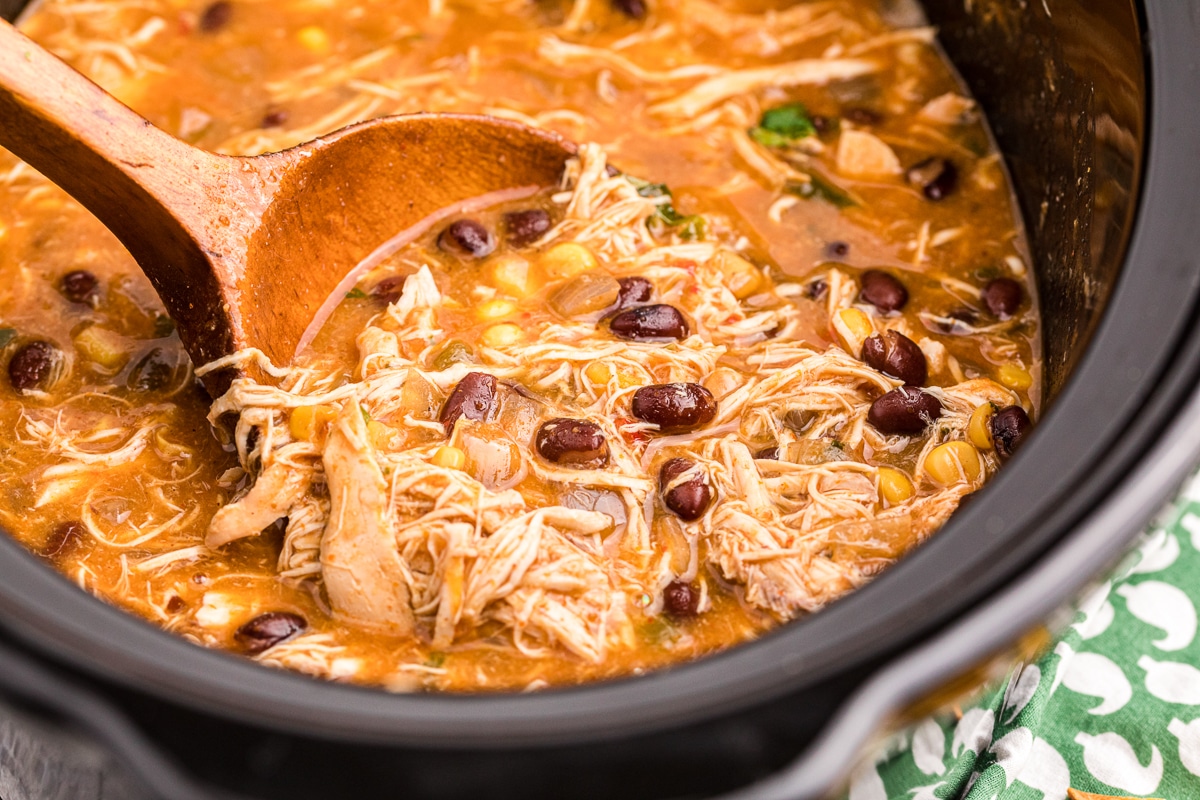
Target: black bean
{"type": "Point", "coordinates": [152, 372]}
{"type": "Point", "coordinates": [680, 600]}
{"type": "Point", "coordinates": [33, 367]}
{"type": "Point", "coordinates": [768, 454]}
{"type": "Point", "coordinates": [937, 178]}
{"type": "Point", "coordinates": [905, 410]}
{"type": "Point", "coordinates": [526, 227]}
{"type": "Point", "coordinates": [675, 407]}
{"type": "Point", "coordinates": [895, 354]}
{"type": "Point", "coordinates": [1003, 297]}
{"type": "Point", "coordinates": [176, 604]}
{"type": "Point", "coordinates": [689, 499]}
{"type": "Point", "coordinates": [817, 290]}
{"type": "Point", "coordinates": [274, 118]}
{"type": "Point", "coordinates": [63, 540]}
{"type": "Point", "coordinates": [799, 419]}
{"type": "Point", "coordinates": [883, 291]}
{"type": "Point", "coordinates": [474, 398]}
{"type": "Point", "coordinates": [654, 323]}
{"type": "Point", "coordinates": [216, 16]}
{"type": "Point", "coordinates": [573, 443]}
{"type": "Point", "coordinates": [1009, 426]}
{"type": "Point", "coordinates": [634, 291]}
{"type": "Point", "coordinates": [862, 116]}
{"type": "Point", "coordinates": [388, 290]}
{"type": "Point", "coordinates": [837, 250]}
{"type": "Point", "coordinates": [467, 237]}
{"type": "Point", "coordinates": [79, 286]}
{"type": "Point", "coordinates": [634, 9]}
{"type": "Point", "coordinates": [267, 630]}
{"type": "Point", "coordinates": [822, 124]}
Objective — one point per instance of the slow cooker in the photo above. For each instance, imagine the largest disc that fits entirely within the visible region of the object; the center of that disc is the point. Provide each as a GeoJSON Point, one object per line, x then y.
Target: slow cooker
{"type": "Point", "coordinates": [1094, 103]}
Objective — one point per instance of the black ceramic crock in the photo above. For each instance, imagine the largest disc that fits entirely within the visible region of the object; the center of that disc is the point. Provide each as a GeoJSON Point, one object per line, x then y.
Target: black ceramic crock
{"type": "Point", "coordinates": [1096, 105]}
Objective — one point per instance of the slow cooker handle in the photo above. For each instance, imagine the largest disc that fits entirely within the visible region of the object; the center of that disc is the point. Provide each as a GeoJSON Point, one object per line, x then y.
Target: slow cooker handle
{"type": "Point", "coordinates": [30, 684]}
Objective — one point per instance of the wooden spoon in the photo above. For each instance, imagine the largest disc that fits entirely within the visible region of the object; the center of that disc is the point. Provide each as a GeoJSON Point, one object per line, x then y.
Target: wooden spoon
{"type": "Point", "coordinates": [256, 251]}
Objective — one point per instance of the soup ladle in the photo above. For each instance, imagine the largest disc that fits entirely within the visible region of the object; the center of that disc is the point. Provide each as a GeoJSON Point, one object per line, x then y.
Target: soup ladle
{"type": "Point", "coordinates": [255, 252]}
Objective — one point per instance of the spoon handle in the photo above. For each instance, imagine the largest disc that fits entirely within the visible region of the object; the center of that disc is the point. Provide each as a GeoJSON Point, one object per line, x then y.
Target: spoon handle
{"type": "Point", "coordinates": [102, 153]}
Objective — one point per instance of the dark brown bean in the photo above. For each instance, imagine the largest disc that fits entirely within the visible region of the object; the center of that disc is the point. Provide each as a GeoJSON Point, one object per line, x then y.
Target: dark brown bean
{"type": "Point", "coordinates": [822, 124]}
{"type": "Point", "coordinates": [267, 630]}
{"type": "Point", "coordinates": [275, 118]}
{"type": "Point", "coordinates": [937, 178]}
{"type": "Point", "coordinates": [904, 411]}
{"type": "Point", "coordinates": [572, 443]}
{"type": "Point", "coordinates": [1003, 297]}
{"type": "Point", "coordinates": [1009, 427]}
{"type": "Point", "coordinates": [474, 398]}
{"type": "Point", "coordinates": [467, 237]}
{"type": "Point", "coordinates": [216, 16]}
{"type": "Point", "coordinates": [768, 454]}
{"type": "Point", "coordinates": [680, 600]}
{"type": "Point", "coordinates": [656, 323]}
{"type": "Point", "coordinates": [635, 290]}
{"type": "Point", "coordinates": [80, 286]}
{"type": "Point", "coordinates": [883, 291]}
{"type": "Point", "coordinates": [675, 407]}
{"type": "Point", "coordinates": [817, 290]}
{"type": "Point", "coordinates": [895, 354]}
{"type": "Point", "coordinates": [388, 290]}
{"type": "Point", "coordinates": [634, 9]}
{"type": "Point", "coordinates": [152, 372]}
{"type": "Point", "coordinates": [34, 366]}
{"type": "Point", "coordinates": [526, 227]}
{"type": "Point", "coordinates": [836, 251]}
{"type": "Point", "coordinates": [176, 604]}
{"type": "Point", "coordinates": [689, 499]}
{"type": "Point", "coordinates": [799, 419]}
{"type": "Point", "coordinates": [862, 116]}
{"type": "Point", "coordinates": [63, 540]}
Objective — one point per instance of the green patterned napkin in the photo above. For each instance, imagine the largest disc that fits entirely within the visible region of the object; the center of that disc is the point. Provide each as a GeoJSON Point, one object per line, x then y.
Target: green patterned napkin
{"type": "Point", "coordinates": [1113, 710]}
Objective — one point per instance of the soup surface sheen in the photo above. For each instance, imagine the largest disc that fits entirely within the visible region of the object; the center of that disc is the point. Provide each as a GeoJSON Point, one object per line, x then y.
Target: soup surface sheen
{"type": "Point", "coordinates": [774, 326]}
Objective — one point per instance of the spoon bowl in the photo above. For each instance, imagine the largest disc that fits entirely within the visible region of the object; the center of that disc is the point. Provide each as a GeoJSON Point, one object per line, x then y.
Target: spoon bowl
{"type": "Point", "coordinates": [255, 252]}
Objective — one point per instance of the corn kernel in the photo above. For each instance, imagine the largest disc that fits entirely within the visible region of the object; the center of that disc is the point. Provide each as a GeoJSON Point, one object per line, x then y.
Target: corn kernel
{"type": "Point", "coordinates": [380, 435]}
{"type": "Point", "coordinates": [1016, 378]}
{"type": "Point", "coordinates": [601, 373]}
{"type": "Point", "coordinates": [743, 278]}
{"type": "Point", "coordinates": [515, 276]}
{"type": "Point", "coordinates": [450, 458]}
{"type": "Point", "coordinates": [853, 327]}
{"type": "Point", "coordinates": [505, 334]}
{"type": "Point", "coordinates": [979, 431]}
{"type": "Point", "coordinates": [105, 347]}
{"type": "Point", "coordinates": [953, 462]}
{"type": "Point", "coordinates": [567, 260]}
{"type": "Point", "coordinates": [496, 309]}
{"type": "Point", "coordinates": [894, 486]}
{"type": "Point", "coordinates": [314, 39]}
{"type": "Point", "coordinates": [306, 421]}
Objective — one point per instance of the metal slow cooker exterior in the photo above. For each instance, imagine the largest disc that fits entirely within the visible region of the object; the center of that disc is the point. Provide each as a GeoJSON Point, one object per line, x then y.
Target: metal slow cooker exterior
{"type": "Point", "coordinates": [1094, 104]}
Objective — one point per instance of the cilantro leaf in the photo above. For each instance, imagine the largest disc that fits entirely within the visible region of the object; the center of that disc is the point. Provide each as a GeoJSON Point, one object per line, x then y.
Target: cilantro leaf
{"type": "Point", "coordinates": [820, 189]}
{"type": "Point", "coordinates": [356, 293]}
{"type": "Point", "coordinates": [7, 335]}
{"type": "Point", "coordinates": [783, 124]}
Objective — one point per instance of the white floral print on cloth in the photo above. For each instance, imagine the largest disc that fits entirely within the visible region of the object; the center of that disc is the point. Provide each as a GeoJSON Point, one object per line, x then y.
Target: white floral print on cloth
{"type": "Point", "coordinates": [1113, 709]}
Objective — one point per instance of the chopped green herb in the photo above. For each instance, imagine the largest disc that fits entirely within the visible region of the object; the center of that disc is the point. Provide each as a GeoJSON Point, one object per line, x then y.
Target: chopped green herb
{"type": "Point", "coordinates": [648, 189]}
{"type": "Point", "coordinates": [783, 124]}
{"type": "Point", "coordinates": [366, 415]}
{"type": "Point", "coordinates": [820, 189]}
{"type": "Point", "coordinates": [356, 293]}
{"type": "Point", "coordinates": [694, 228]}
{"type": "Point", "coordinates": [7, 335]}
{"type": "Point", "coordinates": [837, 444]}
{"type": "Point", "coordinates": [435, 660]}
{"type": "Point", "coordinates": [455, 352]}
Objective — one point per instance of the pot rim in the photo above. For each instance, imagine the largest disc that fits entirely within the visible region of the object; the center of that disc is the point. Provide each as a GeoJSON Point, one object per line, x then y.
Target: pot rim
{"type": "Point", "coordinates": [1082, 451]}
